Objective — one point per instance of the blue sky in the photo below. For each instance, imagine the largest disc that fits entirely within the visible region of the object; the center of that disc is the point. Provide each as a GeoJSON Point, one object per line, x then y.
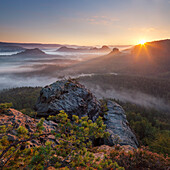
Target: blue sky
{"type": "Point", "coordinates": [84, 22]}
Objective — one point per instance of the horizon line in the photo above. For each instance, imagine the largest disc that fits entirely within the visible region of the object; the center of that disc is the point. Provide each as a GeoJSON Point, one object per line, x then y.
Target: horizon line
{"type": "Point", "coordinates": [41, 43]}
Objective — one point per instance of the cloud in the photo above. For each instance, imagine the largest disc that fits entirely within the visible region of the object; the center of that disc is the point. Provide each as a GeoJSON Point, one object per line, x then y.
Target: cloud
{"type": "Point", "coordinates": [143, 29]}
{"type": "Point", "coordinates": [95, 20]}
{"type": "Point", "coordinates": [103, 20]}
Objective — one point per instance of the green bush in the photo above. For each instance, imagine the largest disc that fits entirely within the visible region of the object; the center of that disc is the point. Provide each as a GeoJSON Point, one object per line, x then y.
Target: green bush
{"type": "Point", "coordinates": [4, 107]}
{"type": "Point", "coordinates": [74, 148]}
{"type": "Point", "coordinates": [22, 131]}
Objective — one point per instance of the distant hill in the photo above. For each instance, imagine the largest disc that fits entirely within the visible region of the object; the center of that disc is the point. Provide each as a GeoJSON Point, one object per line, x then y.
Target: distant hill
{"type": "Point", "coordinates": [88, 50]}
{"type": "Point", "coordinates": [69, 49]}
{"type": "Point", "coordinates": [30, 45]}
{"type": "Point", "coordinates": [34, 51]}
{"type": "Point", "coordinates": [39, 45]}
{"type": "Point", "coordinates": [104, 48]}
{"type": "Point", "coordinates": [103, 64]}
{"type": "Point", "coordinates": [8, 48]}
{"type": "Point", "coordinates": [114, 51]}
{"type": "Point", "coordinates": [151, 59]}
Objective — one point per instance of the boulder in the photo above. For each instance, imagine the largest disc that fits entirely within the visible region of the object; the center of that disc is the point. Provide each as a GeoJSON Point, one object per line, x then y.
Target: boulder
{"type": "Point", "coordinates": [118, 126]}
{"type": "Point", "coordinates": [75, 99]}
{"type": "Point", "coordinates": [70, 96]}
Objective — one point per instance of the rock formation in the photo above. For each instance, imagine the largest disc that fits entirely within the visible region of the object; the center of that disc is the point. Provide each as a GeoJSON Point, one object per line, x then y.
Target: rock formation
{"type": "Point", "coordinates": [66, 49]}
{"type": "Point", "coordinates": [69, 96]}
{"type": "Point", "coordinates": [104, 48]}
{"type": "Point", "coordinates": [15, 119]}
{"type": "Point", "coordinates": [74, 98]}
{"type": "Point", "coordinates": [117, 126]}
{"type": "Point", "coordinates": [114, 51]}
{"type": "Point", "coordinates": [84, 50]}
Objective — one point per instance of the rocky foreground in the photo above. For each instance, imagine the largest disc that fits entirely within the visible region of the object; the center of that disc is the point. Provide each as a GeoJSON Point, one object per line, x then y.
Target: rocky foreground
{"type": "Point", "coordinates": [75, 99]}
{"type": "Point", "coordinates": [65, 141]}
{"type": "Point", "coordinates": [16, 119]}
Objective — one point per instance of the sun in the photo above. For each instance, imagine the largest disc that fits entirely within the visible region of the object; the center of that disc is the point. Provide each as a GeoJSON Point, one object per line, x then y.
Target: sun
{"type": "Point", "coordinates": [142, 42]}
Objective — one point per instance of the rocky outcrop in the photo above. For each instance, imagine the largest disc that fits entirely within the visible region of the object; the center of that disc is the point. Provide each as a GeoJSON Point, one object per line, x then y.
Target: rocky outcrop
{"type": "Point", "coordinates": [114, 51]}
{"type": "Point", "coordinates": [67, 49]}
{"type": "Point", "coordinates": [16, 119]}
{"type": "Point", "coordinates": [104, 48]}
{"type": "Point", "coordinates": [73, 50]}
{"type": "Point", "coordinates": [117, 126]}
{"type": "Point", "coordinates": [84, 50]}
{"type": "Point", "coordinates": [75, 99]}
{"type": "Point", "coordinates": [70, 96]}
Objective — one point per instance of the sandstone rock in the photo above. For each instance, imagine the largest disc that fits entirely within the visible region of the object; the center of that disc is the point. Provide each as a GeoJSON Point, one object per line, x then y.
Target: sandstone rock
{"type": "Point", "coordinates": [16, 119]}
{"type": "Point", "coordinates": [117, 125]}
{"type": "Point", "coordinates": [75, 99]}
{"type": "Point", "coordinates": [52, 168]}
{"type": "Point", "coordinates": [12, 137]}
{"type": "Point", "coordinates": [70, 96]}
{"type": "Point", "coordinates": [105, 48]}
{"type": "Point", "coordinates": [114, 51]}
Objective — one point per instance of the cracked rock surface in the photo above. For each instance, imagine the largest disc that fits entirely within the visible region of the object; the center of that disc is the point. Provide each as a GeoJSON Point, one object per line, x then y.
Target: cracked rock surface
{"type": "Point", "coordinates": [118, 126]}
{"type": "Point", "coordinates": [70, 96]}
{"type": "Point", "coordinates": [75, 99]}
{"type": "Point", "coordinates": [16, 119]}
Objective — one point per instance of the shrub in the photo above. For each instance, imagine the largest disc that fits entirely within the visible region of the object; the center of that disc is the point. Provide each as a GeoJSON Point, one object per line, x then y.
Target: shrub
{"type": "Point", "coordinates": [73, 149]}
{"type": "Point", "coordinates": [140, 158]}
{"type": "Point", "coordinates": [22, 131]}
{"type": "Point", "coordinates": [4, 107]}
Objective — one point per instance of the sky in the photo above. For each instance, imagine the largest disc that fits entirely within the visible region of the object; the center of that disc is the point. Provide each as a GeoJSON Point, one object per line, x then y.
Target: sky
{"type": "Point", "coordinates": [84, 22]}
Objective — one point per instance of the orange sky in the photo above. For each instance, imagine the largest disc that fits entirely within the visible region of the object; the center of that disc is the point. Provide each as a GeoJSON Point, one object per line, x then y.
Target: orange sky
{"type": "Point", "coordinates": [84, 22]}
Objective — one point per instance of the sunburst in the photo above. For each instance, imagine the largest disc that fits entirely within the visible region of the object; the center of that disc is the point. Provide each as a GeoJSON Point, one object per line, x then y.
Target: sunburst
{"type": "Point", "coordinates": [142, 42]}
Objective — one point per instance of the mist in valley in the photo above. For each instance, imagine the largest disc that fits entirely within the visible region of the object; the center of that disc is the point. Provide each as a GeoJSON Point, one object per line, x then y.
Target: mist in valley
{"type": "Point", "coordinates": [126, 95]}
{"type": "Point", "coordinates": [100, 91]}
{"type": "Point", "coordinates": [19, 71]}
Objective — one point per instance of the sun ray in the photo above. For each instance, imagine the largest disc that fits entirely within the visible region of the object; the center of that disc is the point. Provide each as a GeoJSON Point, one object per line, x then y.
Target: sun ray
{"type": "Point", "coordinates": [143, 51]}
{"type": "Point", "coordinates": [142, 42]}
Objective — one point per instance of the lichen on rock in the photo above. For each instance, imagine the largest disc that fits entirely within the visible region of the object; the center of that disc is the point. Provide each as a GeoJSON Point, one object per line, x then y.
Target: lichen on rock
{"type": "Point", "coordinates": [70, 96]}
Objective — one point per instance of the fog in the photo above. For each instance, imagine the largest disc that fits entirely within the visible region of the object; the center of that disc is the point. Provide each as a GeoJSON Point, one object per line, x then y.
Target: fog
{"type": "Point", "coordinates": [73, 55]}
{"type": "Point", "coordinates": [17, 71]}
{"type": "Point", "coordinates": [17, 64]}
{"type": "Point", "coordinates": [124, 95]}
{"type": "Point", "coordinates": [131, 96]}
{"type": "Point", "coordinates": [40, 71]}
{"type": "Point", "coordinates": [10, 81]}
